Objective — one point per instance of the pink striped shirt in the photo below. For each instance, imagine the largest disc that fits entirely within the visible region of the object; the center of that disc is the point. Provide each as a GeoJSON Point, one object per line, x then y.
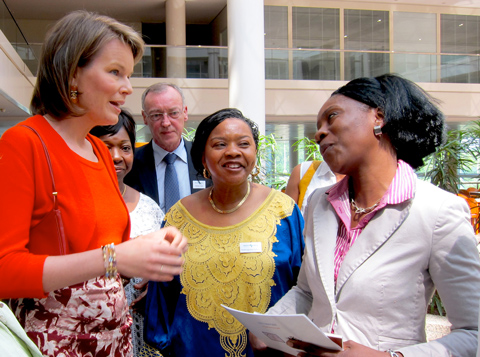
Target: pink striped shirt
{"type": "Point", "coordinates": [400, 190]}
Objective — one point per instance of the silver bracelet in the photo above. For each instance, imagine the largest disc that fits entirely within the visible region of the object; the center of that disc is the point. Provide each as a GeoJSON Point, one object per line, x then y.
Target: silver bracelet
{"type": "Point", "coordinates": [392, 353]}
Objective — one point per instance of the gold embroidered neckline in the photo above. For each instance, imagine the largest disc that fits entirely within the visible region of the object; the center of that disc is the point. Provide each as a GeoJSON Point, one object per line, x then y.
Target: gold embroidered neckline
{"type": "Point", "coordinates": [247, 220]}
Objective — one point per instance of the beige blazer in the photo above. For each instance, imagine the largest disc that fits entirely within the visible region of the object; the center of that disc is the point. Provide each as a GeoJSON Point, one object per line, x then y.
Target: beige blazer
{"type": "Point", "coordinates": [389, 275]}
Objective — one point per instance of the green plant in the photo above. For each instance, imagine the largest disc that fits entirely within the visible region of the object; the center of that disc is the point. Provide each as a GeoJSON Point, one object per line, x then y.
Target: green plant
{"type": "Point", "coordinates": [309, 147]}
{"type": "Point", "coordinates": [189, 133]}
{"type": "Point", "coordinates": [268, 175]}
{"type": "Point", "coordinates": [457, 154]}
{"type": "Point", "coordinates": [436, 306]}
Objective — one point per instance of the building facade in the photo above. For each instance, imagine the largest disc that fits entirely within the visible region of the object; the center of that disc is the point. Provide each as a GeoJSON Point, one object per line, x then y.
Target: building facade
{"type": "Point", "coordinates": [311, 48]}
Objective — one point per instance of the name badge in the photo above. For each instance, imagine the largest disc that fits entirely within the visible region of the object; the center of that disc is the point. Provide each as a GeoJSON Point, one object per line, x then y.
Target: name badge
{"type": "Point", "coordinates": [197, 184]}
{"type": "Point", "coordinates": [251, 247]}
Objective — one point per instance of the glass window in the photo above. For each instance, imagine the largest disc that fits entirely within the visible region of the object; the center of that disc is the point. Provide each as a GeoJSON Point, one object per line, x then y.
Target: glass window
{"type": "Point", "coordinates": [415, 32]}
{"type": "Point", "coordinates": [276, 36]}
{"type": "Point", "coordinates": [315, 28]}
{"type": "Point", "coordinates": [317, 65]}
{"type": "Point", "coordinates": [366, 64]}
{"type": "Point", "coordinates": [276, 64]}
{"type": "Point", "coordinates": [366, 30]}
{"type": "Point", "coordinates": [460, 34]}
{"type": "Point", "coordinates": [276, 26]}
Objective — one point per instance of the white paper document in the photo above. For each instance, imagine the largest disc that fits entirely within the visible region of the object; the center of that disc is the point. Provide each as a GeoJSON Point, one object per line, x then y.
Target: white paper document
{"type": "Point", "coordinates": [276, 330]}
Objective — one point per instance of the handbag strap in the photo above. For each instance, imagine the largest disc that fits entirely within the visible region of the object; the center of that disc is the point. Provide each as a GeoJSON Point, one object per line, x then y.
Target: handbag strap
{"type": "Point", "coordinates": [58, 216]}
{"type": "Point", "coordinates": [49, 163]}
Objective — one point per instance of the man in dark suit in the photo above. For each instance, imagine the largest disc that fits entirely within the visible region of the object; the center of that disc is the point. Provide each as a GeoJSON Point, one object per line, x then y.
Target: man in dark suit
{"type": "Point", "coordinates": [165, 113]}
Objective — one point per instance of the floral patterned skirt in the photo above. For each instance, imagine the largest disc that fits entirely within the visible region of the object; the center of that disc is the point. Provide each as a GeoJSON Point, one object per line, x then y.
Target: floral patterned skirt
{"type": "Point", "coordinates": [88, 319]}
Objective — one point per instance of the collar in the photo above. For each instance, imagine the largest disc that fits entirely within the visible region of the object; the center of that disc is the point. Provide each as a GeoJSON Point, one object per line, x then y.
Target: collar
{"type": "Point", "coordinates": [401, 188]}
{"type": "Point", "coordinates": [160, 153]}
{"type": "Point", "coordinates": [324, 170]}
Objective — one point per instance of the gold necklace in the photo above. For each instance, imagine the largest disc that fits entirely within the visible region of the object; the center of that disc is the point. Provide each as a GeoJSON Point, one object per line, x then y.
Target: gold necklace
{"type": "Point", "coordinates": [228, 210]}
{"type": "Point", "coordinates": [360, 210]}
{"type": "Point", "coordinates": [124, 189]}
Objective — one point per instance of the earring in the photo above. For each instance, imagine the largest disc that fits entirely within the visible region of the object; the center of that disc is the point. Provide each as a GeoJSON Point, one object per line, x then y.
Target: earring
{"type": "Point", "coordinates": [206, 174]}
{"type": "Point", "coordinates": [74, 95]}
{"type": "Point", "coordinates": [377, 130]}
{"type": "Point", "coordinates": [257, 171]}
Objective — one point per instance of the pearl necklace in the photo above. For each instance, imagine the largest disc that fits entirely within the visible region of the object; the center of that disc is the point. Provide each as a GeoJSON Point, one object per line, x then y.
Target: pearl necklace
{"type": "Point", "coordinates": [228, 210]}
{"type": "Point", "coordinates": [360, 210]}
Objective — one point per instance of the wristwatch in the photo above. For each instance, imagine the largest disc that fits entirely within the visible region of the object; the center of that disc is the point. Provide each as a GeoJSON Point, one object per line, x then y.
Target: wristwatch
{"type": "Point", "coordinates": [392, 353]}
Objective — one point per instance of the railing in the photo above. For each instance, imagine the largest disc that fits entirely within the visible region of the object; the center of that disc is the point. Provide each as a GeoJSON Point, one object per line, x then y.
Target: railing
{"type": "Point", "coordinates": [314, 64]}
{"type": "Point", "coordinates": [13, 33]}
{"type": "Point", "coordinates": [303, 64]}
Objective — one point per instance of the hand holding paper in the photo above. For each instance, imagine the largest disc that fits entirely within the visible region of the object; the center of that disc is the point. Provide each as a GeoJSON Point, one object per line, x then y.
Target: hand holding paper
{"type": "Point", "coordinates": [276, 330]}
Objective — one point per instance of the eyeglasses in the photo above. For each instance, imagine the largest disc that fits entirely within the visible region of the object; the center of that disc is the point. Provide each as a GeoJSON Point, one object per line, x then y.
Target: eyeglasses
{"type": "Point", "coordinates": [174, 114]}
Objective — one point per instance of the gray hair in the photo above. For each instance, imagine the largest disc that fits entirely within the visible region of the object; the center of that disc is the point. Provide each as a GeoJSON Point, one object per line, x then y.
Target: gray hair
{"type": "Point", "coordinates": [160, 88]}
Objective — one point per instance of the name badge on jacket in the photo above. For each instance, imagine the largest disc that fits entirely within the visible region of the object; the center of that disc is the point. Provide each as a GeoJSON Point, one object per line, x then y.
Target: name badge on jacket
{"type": "Point", "coordinates": [199, 184]}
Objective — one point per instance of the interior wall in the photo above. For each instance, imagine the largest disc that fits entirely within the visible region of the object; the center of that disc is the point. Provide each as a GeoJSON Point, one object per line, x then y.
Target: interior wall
{"type": "Point", "coordinates": [219, 25]}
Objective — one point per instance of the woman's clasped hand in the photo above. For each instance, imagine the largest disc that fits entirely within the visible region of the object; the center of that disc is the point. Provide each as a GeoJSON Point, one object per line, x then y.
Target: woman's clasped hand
{"type": "Point", "coordinates": [156, 256]}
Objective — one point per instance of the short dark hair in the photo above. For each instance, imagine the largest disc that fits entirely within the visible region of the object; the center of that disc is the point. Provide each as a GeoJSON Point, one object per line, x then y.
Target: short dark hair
{"type": "Point", "coordinates": [72, 43]}
{"type": "Point", "coordinates": [125, 120]}
{"type": "Point", "coordinates": [206, 127]}
{"type": "Point", "coordinates": [413, 123]}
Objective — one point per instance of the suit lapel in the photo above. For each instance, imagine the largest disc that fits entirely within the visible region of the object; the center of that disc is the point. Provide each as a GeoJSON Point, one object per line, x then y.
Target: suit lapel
{"type": "Point", "coordinates": [374, 235]}
{"type": "Point", "coordinates": [148, 176]}
{"type": "Point", "coordinates": [325, 227]}
{"type": "Point", "coordinates": [192, 173]}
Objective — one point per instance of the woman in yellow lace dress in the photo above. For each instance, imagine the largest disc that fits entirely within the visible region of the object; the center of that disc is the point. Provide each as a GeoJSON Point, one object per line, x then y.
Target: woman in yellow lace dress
{"type": "Point", "coordinates": [245, 247]}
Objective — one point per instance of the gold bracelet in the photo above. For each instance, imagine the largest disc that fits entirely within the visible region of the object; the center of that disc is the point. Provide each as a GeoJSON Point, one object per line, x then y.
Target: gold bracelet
{"type": "Point", "coordinates": [110, 261]}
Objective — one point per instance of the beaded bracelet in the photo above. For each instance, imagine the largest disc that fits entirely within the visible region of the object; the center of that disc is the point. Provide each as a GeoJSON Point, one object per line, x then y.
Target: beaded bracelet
{"type": "Point", "coordinates": [110, 261]}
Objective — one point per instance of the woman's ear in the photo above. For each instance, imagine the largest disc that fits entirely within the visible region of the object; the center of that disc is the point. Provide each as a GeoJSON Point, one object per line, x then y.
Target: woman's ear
{"type": "Point", "coordinates": [74, 80]}
{"type": "Point", "coordinates": [378, 123]}
{"type": "Point", "coordinates": [379, 117]}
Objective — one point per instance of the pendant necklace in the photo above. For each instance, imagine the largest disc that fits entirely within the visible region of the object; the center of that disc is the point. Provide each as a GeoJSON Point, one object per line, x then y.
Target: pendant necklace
{"type": "Point", "coordinates": [360, 210]}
